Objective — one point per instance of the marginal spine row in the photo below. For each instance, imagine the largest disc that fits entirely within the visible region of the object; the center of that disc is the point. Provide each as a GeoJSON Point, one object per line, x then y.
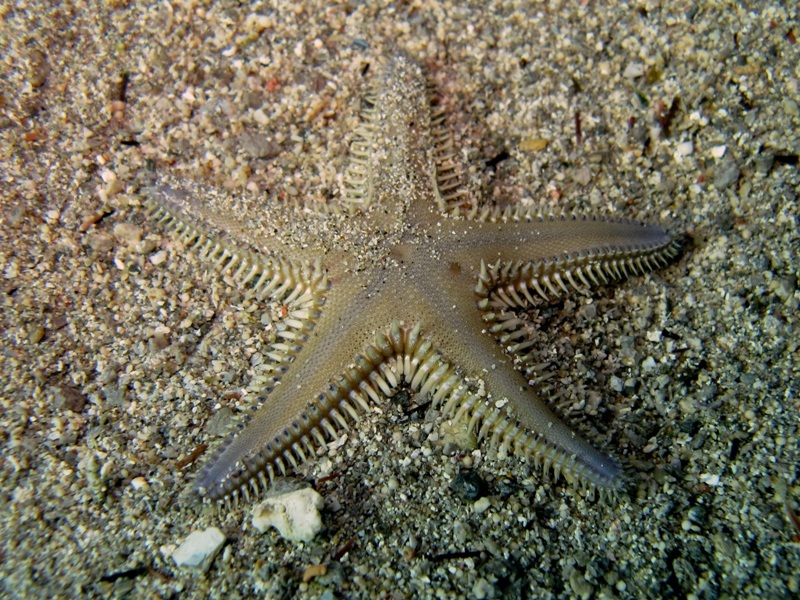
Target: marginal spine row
{"type": "Point", "coordinates": [301, 286]}
{"type": "Point", "coordinates": [517, 214]}
{"type": "Point", "coordinates": [400, 352]}
{"type": "Point", "coordinates": [513, 284]}
{"type": "Point", "coordinates": [277, 278]}
{"type": "Point", "coordinates": [357, 183]}
{"type": "Point", "coordinates": [324, 419]}
{"type": "Point", "coordinates": [504, 432]}
{"type": "Point", "coordinates": [491, 419]}
{"type": "Point", "coordinates": [452, 196]}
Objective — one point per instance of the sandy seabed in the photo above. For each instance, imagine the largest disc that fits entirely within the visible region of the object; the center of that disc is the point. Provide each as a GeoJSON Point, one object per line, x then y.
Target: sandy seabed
{"type": "Point", "coordinates": [122, 352]}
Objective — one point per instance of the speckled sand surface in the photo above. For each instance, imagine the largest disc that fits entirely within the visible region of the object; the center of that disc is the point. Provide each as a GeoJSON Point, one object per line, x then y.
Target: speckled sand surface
{"type": "Point", "coordinates": [121, 352]}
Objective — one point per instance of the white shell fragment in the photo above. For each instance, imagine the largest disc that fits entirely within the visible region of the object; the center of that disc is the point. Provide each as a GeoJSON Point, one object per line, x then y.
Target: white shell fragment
{"type": "Point", "coordinates": [295, 515]}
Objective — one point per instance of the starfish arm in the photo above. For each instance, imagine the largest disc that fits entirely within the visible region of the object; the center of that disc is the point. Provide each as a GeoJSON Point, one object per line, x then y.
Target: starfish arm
{"type": "Point", "coordinates": [555, 257]}
{"type": "Point", "coordinates": [274, 276]}
{"type": "Point", "coordinates": [344, 365]}
{"type": "Point", "coordinates": [301, 416]}
{"type": "Point", "coordinates": [403, 145]}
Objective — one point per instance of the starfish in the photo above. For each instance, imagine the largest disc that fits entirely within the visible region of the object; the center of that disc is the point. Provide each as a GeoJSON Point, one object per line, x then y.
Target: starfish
{"type": "Point", "coordinates": [432, 305]}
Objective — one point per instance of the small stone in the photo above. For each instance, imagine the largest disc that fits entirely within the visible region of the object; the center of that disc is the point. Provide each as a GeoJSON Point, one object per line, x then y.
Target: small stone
{"type": "Point", "coordinates": [482, 589]}
{"type": "Point", "coordinates": [481, 505]}
{"type": "Point", "coordinates": [259, 146]}
{"type": "Point", "coordinates": [505, 488]}
{"type": "Point", "coordinates": [159, 341]}
{"type": "Point", "coordinates": [36, 335]}
{"type": "Point", "coordinates": [127, 232]}
{"type": "Point", "coordinates": [533, 144]}
{"type": "Point", "coordinates": [199, 549]}
{"type": "Point", "coordinates": [295, 515]}
{"type": "Point", "coordinates": [707, 393]}
{"type": "Point", "coordinates": [580, 587]}
{"type": "Point", "coordinates": [74, 399]}
{"type": "Point", "coordinates": [790, 107]}
{"type": "Point", "coordinates": [114, 394]}
{"type": "Point", "coordinates": [260, 117]}
{"type": "Point", "coordinates": [108, 175]}
{"type": "Point", "coordinates": [615, 383]}
{"type": "Point", "coordinates": [167, 550]}
{"type": "Point", "coordinates": [458, 435]}
{"type": "Point", "coordinates": [764, 163]}
{"type": "Point", "coordinates": [468, 484]}
{"type": "Point", "coordinates": [461, 532]}
{"type": "Point", "coordinates": [588, 312]}
{"type": "Point", "coordinates": [627, 346]}
{"type": "Point", "coordinates": [159, 257]}
{"type": "Point", "coordinates": [684, 149]}
{"type": "Point", "coordinates": [726, 174]}
{"type": "Point", "coordinates": [146, 246]}
{"type": "Point", "coordinates": [782, 288]}
{"type": "Point", "coordinates": [652, 446]}
{"type": "Point", "coordinates": [649, 364]}
{"type": "Point", "coordinates": [140, 483]}
{"type": "Point", "coordinates": [220, 422]}
{"type": "Point", "coordinates": [654, 336]}
{"type": "Point", "coordinates": [100, 242]}
{"type": "Point", "coordinates": [313, 571]}
{"type": "Point", "coordinates": [633, 70]}
{"type": "Point", "coordinates": [112, 187]}
{"type": "Point", "coordinates": [109, 374]}
{"type": "Point", "coordinates": [59, 322]}
{"type": "Point", "coordinates": [583, 176]}
{"type": "Point", "coordinates": [718, 151]}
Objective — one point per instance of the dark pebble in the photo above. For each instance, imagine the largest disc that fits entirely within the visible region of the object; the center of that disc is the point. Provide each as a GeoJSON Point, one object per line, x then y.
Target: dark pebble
{"type": "Point", "coordinates": [468, 485]}
{"type": "Point", "coordinates": [506, 488]}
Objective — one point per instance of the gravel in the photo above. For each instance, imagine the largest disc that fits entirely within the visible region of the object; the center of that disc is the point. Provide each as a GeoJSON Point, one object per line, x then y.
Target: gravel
{"type": "Point", "coordinates": [119, 346]}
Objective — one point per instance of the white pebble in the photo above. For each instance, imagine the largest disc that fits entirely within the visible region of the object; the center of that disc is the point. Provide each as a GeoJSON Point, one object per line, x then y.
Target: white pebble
{"type": "Point", "coordinates": [684, 149]}
{"type": "Point", "coordinates": [127, 232]}
{"type": "Point", "coordinates": [159, 257]}
{"type": "Point", "coordinates": [140, 483]}
{"type": "Point", "coordinates": [481, 505]}
{"type": "Point", "coordinates": [718, 151]}
{"type": "Point", "coordinates": [654, 336]}
{"type": "Point", "coordinates": [107, 175]}
{"type": "Point", "coordinates": [633, 70]}
{"type": "Point", "coordinates": [199, 549]}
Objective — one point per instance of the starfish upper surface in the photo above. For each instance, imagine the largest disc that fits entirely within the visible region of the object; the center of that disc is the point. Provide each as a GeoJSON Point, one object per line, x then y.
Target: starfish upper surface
{"type": "Point", "coordinates": [433, 309]}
